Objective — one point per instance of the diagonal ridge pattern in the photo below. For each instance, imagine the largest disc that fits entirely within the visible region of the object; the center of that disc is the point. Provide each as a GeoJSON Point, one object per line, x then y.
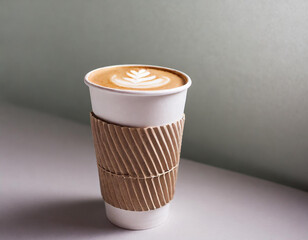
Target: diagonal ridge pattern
{"type": "Point", "coordinates": [137, 166]}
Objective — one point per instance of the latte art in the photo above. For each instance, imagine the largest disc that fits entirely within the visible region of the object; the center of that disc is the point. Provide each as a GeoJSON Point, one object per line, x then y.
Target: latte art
{"type": "Point", "coordinates": [139, 79]}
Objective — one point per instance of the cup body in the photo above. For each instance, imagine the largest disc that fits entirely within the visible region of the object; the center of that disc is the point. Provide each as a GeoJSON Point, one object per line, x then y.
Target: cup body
{"type": "Point", "coordinates": [138, 109]}
{"type": "Point", "coordinates": [137, 220]}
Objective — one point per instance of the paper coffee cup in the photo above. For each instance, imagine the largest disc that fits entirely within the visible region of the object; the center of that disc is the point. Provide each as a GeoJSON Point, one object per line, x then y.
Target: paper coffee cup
{"type": "Point", "coordinates": [135, 108]}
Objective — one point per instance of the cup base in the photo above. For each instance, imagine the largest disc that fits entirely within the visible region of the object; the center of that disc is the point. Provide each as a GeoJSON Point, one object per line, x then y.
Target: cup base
{"type": "Point", "coordinates": [135, 220]}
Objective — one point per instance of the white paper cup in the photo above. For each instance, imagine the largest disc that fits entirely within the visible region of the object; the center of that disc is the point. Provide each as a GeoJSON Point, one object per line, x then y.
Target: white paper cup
{"type": "Point", "coordinates": [138, 109]}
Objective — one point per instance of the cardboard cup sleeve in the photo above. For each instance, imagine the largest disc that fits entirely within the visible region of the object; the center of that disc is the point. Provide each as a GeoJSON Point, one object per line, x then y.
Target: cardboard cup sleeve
{"type": "Point", "coordinates": [137, 166]}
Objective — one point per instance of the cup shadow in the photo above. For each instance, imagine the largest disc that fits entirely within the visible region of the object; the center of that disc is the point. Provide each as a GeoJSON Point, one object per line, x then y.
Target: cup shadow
{"type": "Point", "coordinates": [57, 219]}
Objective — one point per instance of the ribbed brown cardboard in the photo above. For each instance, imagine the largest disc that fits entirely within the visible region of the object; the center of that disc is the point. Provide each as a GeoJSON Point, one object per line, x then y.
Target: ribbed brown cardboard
{"type": "Point", "coordinates": [137, 166]}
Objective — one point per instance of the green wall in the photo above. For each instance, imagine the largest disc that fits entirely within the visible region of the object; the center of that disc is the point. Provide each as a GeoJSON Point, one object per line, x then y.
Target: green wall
{"type": "Point", "coordinates": [247, 109]}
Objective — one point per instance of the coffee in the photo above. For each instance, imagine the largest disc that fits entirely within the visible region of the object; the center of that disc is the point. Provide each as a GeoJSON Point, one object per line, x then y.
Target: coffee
{"type": "Point", "coordinates": [137, 137]}
{"type": "Point", "coordinates": [142, 78]}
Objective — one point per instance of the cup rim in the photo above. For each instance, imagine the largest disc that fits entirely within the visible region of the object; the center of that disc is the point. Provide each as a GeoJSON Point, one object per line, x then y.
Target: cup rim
{"type": "Point", "coordinates": [140, 92]}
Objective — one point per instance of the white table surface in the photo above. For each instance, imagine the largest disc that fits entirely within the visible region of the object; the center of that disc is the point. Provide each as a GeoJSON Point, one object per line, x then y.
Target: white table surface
{"type": "Point", "coordinates": [49, 190]}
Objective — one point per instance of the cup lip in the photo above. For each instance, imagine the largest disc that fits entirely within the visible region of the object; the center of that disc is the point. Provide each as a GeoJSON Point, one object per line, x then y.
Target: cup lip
{"type": "Point", "coordinates": [140, 92]}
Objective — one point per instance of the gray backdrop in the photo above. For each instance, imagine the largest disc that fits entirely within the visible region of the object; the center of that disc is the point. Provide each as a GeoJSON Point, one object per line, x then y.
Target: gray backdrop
{"type": "Point", "coordinates": [247, 109]}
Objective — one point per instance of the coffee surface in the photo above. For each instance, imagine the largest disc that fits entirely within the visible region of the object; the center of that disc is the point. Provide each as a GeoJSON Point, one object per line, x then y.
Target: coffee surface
{"type": "Point", "coordinates": [143, 78]}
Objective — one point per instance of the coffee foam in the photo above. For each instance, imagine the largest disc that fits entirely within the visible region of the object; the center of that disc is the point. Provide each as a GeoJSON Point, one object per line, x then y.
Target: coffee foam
{"type": "Point", "coordinates": [140, 79]}
{"type": "Point", "coordinates": [137, 78]}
